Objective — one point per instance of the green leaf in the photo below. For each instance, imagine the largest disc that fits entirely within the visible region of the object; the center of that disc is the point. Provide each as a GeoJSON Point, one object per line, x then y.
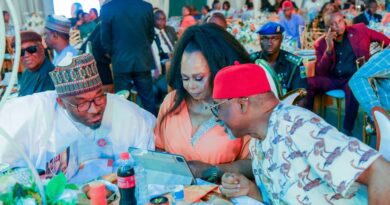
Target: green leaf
{"type": "Point", "coordinates": [72, 187]}
{"type": "Point", "coordinates": [55, 187]}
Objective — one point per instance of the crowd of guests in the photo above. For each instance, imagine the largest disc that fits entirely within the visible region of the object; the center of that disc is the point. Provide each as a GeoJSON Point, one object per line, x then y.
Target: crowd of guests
{"type": "Point", "coordinates": [206, 98]}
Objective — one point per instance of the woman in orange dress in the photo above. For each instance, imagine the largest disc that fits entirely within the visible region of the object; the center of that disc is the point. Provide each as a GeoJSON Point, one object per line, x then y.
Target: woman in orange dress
{"type": "Point", "coordinates": [187, 21]}
{"type": "Point", "coordinates": [185, 124]}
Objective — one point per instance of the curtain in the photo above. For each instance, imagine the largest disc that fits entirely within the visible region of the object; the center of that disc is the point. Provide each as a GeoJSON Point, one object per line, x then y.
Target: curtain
{"type": "Point", "coordinates": [25, 7]}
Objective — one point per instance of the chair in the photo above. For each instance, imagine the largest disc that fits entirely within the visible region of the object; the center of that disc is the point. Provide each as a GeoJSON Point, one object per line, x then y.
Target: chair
{"type": "Point", "coordinates": [382, 124]}
{"type": "Point", "coordinates": [293, 97]}
{"type": "Point", "coordinates": [123, 93]}
{"type": "Point", "coordinates": [339, 95]}
{"type": "Point", "coordinates": [272, 77]}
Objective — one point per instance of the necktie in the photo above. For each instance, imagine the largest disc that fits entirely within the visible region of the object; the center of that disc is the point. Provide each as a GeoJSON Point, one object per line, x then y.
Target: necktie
{"type": "Point", "coordinates": [166, 41]}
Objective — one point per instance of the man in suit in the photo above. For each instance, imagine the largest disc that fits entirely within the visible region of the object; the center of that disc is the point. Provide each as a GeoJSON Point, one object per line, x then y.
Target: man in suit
{"type": "Point", "coordinates": [164, 41]}
{"type": "Point", "coordinates": [127, 33]}
{"type": "Point", "coordinates": [369, 15]}
{"type": "Point", "coordinates": [336, 54]}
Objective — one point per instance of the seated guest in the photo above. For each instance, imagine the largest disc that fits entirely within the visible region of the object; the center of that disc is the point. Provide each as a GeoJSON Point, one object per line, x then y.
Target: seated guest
{"type": "Point", "coordinates": [185, 125]}
{"type": "Point", "coordinates": [205, 12]}
{"type": "Point", "coordinates": [318, 22]}
{"type": "Point", "coordinates": [286, 65]}
{"type": "Point", "coordinates": [297, 157]}
{"type": "Point", "coordinates": [163, 44]}
{"type": "Point", "coordinates": [291, 22]}
{"type": "Point", "coordinates": [78, 121]}
{"type": "Point", "coordinates": [57, 37]}
{"type": "Point", "coordinates": [369, 14]}
{"type": "Point", "coordinates": [35, 77]}
{"type": "Point", "coordinates": [218, 19]}
{"type": "Point", "coordinates": [187, 20]}
{"type": "Point", "coordinates": [86, 25]}
{"type": "Point", "coordinates": [377, 72]}
{"type": "Point", "coordinates": [336, 54]}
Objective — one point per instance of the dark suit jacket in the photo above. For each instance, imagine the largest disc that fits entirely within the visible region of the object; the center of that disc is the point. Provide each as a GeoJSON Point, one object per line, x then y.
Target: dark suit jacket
{"type": "Point", "coordinates": [360, 38]}
{"type": "Point", "coordinates": [127, 34]}
{"type": "Point", "coordinates": [361, 18]}
{"type": "Point", "coordinates": [171, 33]}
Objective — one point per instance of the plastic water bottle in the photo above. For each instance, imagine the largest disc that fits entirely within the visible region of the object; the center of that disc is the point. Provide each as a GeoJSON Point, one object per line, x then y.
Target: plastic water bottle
{"type": "Point", "coordinates": [178, 195]}
{"type": "Point", "coordinates": [141, 185]}
{"type": "Point", "coordinates": [126, 180]}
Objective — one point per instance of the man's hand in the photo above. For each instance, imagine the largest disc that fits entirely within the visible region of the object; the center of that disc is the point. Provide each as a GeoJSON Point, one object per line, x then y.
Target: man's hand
{"type": "Point", "coordinates": [234, 185]}
{"type": "Point", "coordinates": [329, 37]}
{"type": "Point", "coordinates": [376, 177]}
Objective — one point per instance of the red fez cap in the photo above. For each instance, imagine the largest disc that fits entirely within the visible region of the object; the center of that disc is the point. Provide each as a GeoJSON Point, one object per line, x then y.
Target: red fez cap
{"type": "Point", "coordinates": [287, 4]}
{"type": "Point", "coordinates": [28, 36]}
{"type": "Point", "coordinates": [240, 80]}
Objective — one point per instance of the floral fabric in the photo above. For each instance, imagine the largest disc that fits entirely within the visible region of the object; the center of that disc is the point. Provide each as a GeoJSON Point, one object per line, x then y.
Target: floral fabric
{"type": "Point", "coordinates": [304, 160]}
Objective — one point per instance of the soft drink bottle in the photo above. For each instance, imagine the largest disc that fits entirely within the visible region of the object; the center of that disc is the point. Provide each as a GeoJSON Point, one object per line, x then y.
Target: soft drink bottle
{"type": "Point", "coordinates": [126, 180]}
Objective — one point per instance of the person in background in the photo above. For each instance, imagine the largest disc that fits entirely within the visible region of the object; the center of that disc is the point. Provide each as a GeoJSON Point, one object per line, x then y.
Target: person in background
{"type": "Point", "coordinates": [266, 6]}
{"type": "Point", "coordinates": [9, 28]}
{"type": "Point", "coordinates": [292, 23]}
{"type": "Point", "coordinates": [336, 54]}
{"type": "Point", "coordinates": [76, 7]}
{"type": "Point", "coordinates": [248, 11]}
{"type": "Point", "coordinates": [185, 124]}
{"type": "Point", "coordinates": [279, 5]}
{"type": "Point", "coordinates": [187, 20]}
{"type": "Point", "coordinates": [57, 37]}
{"type": "Point", "coordinates": [369, 15]}
{"type": "Point", "coordinates": [78, 118]}
{"type": "Point", "coordinates": [205, 12]}
{"type": "Point", "coordinates": [287, 66]}
{"type": "Point", "coordinates": [337, 3]}
{"type": "Point", "coordinates": [228, 12]}
{"type": "Point", "coordinates": [93, 13]}
{"type": "Point", "coordinates": [219, 19]}
{"type": "Point", "coordinates": [35, 77]}
{"type": "Point", "coordinates": [127, 38]}
{"type": "Point", "coordinates": [371, 83]}
{"type": "Point", "coordinates": [164, 42]}
{"type": "Point", "coordinates": [312, 7]}
{"type": "Point", "coordinates": [86, 25]}
{"type": "Point", "coordinates": [297, 157]}
{"type": "Point", "coordinates": [102, 60]}
{"type": "Point", "coordinates": [216, 6]}
{"type": "Point", "coordinates": [318, 23]}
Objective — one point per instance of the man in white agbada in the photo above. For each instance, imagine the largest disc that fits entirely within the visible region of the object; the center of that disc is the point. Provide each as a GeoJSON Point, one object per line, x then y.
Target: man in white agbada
{"type": "Point", "coordinates": [76, 129]}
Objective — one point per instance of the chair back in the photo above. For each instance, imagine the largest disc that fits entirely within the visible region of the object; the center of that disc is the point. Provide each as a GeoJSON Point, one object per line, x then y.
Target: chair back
{"type": "Point", "coordinates": [272, 77]}
{"type": "Point", "coordinates": [382, 125]}
{"type": "Point", "coordinates": [293, 97]}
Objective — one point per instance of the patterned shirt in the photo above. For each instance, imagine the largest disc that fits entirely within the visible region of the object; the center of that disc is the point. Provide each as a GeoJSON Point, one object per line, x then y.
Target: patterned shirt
{"type": "Point", "coordinates": [304, 160]}
{"type": "Point", "coordinates": [377, 69]}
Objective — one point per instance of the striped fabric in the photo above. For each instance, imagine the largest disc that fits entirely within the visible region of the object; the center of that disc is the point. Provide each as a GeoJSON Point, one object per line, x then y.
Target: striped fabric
{"type": "Point", "coordinates": [81, 76]}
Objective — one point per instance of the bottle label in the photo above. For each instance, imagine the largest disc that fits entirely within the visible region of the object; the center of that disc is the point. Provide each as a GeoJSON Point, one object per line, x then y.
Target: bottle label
{"type": "Point", "coordinates": [126, 182]}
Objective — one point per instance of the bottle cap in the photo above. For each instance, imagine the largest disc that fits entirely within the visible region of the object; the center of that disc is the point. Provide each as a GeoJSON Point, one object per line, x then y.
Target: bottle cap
{"type": "Point", "coordinates": [178, 193]}
{"type": "Point", "coordinates": [124, 156]}
{"type": "Point", "coordinates": [97, 190]}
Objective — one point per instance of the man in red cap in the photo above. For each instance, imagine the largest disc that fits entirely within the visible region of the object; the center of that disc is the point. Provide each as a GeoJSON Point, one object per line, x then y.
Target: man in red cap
{"type": "Point", "coordinates": [297, 158]}
{"type": "Point", "coordinates": [291, 22]}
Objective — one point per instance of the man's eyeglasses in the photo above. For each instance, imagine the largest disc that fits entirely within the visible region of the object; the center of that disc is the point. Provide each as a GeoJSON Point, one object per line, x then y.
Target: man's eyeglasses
{"type": "Point", "coordinates": [83, 107]}
{"type": "Point", "coordinates": [215, 108]}
{"type": "Point", "coordinates": [30, 50]}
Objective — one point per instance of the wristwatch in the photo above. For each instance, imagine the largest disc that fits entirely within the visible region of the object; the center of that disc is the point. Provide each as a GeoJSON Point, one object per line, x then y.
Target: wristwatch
{"type": "Point", "coordinates": [213, 174]}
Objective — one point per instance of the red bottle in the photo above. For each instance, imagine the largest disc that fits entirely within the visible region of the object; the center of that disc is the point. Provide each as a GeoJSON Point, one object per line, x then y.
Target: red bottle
{"type": "Point", "coordinates": [126, 180]}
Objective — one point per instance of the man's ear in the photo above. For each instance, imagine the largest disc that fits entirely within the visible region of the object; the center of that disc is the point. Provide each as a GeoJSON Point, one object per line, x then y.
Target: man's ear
{"type": "Point", "coordinates": [60, 102]}
{"type": "Point", "coordinates": [244, 103]}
